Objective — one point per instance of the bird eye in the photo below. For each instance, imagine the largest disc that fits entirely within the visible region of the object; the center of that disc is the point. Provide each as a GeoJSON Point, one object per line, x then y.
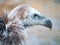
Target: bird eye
{"type": "Point", "coordinates": [36, 16]}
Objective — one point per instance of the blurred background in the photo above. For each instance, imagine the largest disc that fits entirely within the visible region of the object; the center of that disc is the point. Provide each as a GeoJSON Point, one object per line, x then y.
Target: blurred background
{"type": "Point", "coordinates": [39, 35]}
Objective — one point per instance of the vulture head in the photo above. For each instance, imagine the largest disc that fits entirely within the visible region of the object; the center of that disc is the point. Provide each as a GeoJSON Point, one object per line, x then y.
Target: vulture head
{"type": "Point", "coordinates": [12, 27]}
{"type": "Point", "coordinates": [29, 16]}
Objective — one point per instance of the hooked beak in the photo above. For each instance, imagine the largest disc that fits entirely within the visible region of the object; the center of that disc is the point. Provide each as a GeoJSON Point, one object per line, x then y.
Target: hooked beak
{"type": "Point", "coordinates": [43, 21]}
{"type": "Point", "coordinates": [48, 24]}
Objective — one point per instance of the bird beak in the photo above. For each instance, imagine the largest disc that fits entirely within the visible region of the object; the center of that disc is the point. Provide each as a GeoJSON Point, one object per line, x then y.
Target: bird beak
{"type": "Point", "coordinates": [48, 24]}
{"type": "Point", "coordinates": [43, 21]}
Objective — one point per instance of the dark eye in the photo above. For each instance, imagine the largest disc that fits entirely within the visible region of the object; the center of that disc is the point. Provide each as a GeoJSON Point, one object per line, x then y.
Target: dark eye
{"type": "Point", "coordinates": [36, 16]}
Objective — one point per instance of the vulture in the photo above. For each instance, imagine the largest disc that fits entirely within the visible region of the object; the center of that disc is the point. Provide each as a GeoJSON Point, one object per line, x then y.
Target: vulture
{"type": "Point", "coordinates": [29, 16]}
{"type": "Point", "coordinates": [13, 25]}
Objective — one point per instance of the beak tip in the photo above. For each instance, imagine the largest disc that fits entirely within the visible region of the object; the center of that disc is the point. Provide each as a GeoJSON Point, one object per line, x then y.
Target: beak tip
{"type": "Point", "coordinates": [48, 24]}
